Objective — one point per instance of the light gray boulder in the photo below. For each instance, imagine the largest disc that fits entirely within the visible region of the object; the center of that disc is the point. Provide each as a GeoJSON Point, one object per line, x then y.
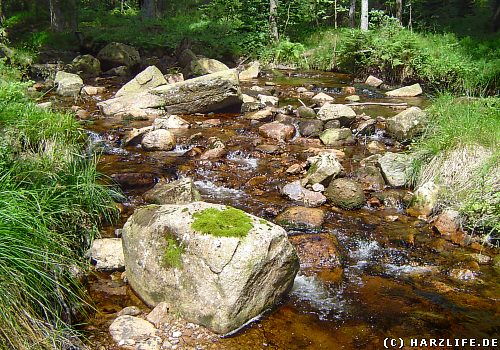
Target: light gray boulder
{"type": "Point", "coordinates": [407, 124]}
{"type": "Point", "coordinates": [148, 79]}
{"type": "Point", "coordinates": [344, 114]}
{"type": "Point", "coordinates": [406, 91]}
{"type": "Point", "coordinates": [87, 65]}
{"type": "Point", "coordinates": [68, 84]}
{"type": "Point", "coordinates": [321, 167]}
{"type": "Point", "coordinates": [395, 168]}
{"type": "Point", "coordinates": [181, 191]}
{"type": "Point", "coordinates": [107, 254]}
{"type": "Point", "coordinates": [202, 66]}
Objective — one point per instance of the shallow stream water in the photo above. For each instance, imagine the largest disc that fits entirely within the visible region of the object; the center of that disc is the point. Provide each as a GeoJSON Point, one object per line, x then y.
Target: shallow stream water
{"type": "Point", "coordinates": [365, 276]}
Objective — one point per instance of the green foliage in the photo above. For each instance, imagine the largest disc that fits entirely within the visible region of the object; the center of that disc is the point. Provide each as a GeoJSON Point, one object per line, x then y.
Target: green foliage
{"type": "Point", "coordinates": [51, 202]}
{"type": "Point", "coordinates": [285, 52]}
{"type": "Point", "coordinates": [230, 222]}
{"type": "Point", "coordinates": [173, 253]}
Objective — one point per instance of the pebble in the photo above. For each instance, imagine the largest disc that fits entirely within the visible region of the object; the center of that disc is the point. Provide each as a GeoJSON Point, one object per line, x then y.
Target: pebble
{"type": "Point", "coordinates": [177, 334]}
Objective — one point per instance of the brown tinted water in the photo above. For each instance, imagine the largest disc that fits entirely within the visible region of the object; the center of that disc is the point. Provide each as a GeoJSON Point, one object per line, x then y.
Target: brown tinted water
{"type": "Point", "coordinates": [363, 278]}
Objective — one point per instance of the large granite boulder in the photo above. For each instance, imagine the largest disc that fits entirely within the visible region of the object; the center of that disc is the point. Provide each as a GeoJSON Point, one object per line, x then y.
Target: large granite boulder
{"type": "Point", "coordinates": [148, 79]}
{"type": "Point", "coordinates": [68, 84]}
{"type": "Point", "coordinates": [396, 168]}
{"type": "Point", "coordinates": [407, 124]}
{"type": "Point", "coordinates": [220, 282]}
{"type": "Point", "coordinates": [344, 114]}
{"type": "Point", "coordinates": [202, 66]}
{"type": "Point", "coordinates": [87, 65]}
{"type": "Point", "coordinates": [117, 55]}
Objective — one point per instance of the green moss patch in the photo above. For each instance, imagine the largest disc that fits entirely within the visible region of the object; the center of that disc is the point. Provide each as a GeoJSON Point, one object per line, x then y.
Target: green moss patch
{"type": "Point", "coordinates": [173, 253]}
{"type": "Point", "coordinates": [230, 222]}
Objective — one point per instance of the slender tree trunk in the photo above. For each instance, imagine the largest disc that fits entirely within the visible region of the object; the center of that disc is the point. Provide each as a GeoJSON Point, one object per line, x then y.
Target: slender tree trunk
{"type": "Point", "coordinates": [1, 13]}
{"type": "Point", "coordinates": [495, 20]}
{"type": "Point", "coordinates": [273, 19]}
{"type": "Point", "coordinates": [149, 9]}
{"type": "Point", "coordinates": [335, 13]}
{"type": "Point", "coordinates": [56, 16]}
{"type": "Point", "coordinates": [399, 11]}
{"type": "Point", "coordinates": [352, 14]}
{"type": "Point", "coordinates": [364, 15]}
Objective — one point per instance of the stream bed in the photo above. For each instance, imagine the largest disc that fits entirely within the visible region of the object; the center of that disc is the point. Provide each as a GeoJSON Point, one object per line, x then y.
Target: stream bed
{"type": "Point", "coordinates": [366, 275]}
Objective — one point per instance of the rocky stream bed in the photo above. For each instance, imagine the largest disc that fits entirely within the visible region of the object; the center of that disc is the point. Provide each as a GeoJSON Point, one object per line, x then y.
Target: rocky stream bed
{"type": "Point", "coordinates": [365, 274]}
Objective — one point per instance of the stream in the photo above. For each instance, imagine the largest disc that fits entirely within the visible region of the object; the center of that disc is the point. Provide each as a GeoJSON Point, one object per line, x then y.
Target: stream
{"type": "Point", "coordinates": [366, 275]}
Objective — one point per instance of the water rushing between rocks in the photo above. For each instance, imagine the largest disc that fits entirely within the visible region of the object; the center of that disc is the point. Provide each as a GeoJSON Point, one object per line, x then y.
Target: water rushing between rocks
{"type": "Point", "coordinates": [365, 275]}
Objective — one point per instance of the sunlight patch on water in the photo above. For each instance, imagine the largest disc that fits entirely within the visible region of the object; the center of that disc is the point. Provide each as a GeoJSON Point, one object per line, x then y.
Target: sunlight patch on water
{"type": "Point", "coordinates": [209, 188]}
{"type": "Point", "coordinates": [364, 252]}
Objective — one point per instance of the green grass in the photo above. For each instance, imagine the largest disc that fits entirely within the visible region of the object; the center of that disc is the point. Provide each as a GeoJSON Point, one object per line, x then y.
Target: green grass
{"type": "Point", "coordinates": [51, 202]}
{"type": "Point", "coordinates": [173, 253]}
{"type": "Point", "coordinates": [230, 222]}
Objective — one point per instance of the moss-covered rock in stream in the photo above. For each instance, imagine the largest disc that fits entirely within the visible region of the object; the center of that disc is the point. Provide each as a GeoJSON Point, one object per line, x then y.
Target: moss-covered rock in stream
{"type": "Point", "coordinates": [345, 193]}
{"type": "Point", "coordinates": [215, 265]}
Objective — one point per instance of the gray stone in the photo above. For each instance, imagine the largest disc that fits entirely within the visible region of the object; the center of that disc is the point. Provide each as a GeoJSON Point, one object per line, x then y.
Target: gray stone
{"type": "Point", "coordinates": [277, 131]}
{"type": "Point", "coordinates": [158, 140]}
{"type": "Point", "coordinates": [407, 124]}
{"type": "Point", "coordinates": [68, 84]}
{"type": "Point", "coordinates": [251, 72]}
{"type": "Point", "coordinates": [181, 191]}
{"type": "Point", "coordinates": [159, 315]}
{"type": "Point", "coordinates": [87, 65]}
{"type": "Point", "coordinates": [395, 168]}
{"type": "Point", "coordinates": [373, 81]}
{"type": "Point", "coordinates": [335, 137]}
{"type": "Point", "coordinates": [353, 98]}
{"type": "Point", "coordinates": [130, 311]}
{"type": "Point", "coordinates": [107, 254]}
{"type": "Point", "coordinates": [301, 218]}
{"type": "Point", "coordinates": [424, 200]}
{"type": "Point", "coordinates": [296, 192]}
{"type": "Point", "coordinates": [344, 114]}
{"type": "Point", "coordinates": [170, 122]}
{"type": "Point", "coordinates": [322, 97]}
{"type": "Point", "coordinates": [322, 167]}
{"type": "Point", "coordinates": [332, 124]}
{"type": "Point", "coordinates": [146, 80]}
{"type": "Point", "coordinates": [345, 193]}
{"type": "Point", "coordinates": [311, 128]}
{"type": "Point", "coordinates": [370, 178]}
{"type": "Point", "coordinates": [117, 54]}
{"type": "Point", "coordinates": [203, 66]}
{"type": "Point", "coordinates": [306, 112]}
{"type": "Point", "coordinates": [222, 282]}
{"type": "Point", "coordinates": [268, 100]}
{"type": "Point", "coordinates": [131, 331]}
{"type": "Point", "coordinates": [406, 91]}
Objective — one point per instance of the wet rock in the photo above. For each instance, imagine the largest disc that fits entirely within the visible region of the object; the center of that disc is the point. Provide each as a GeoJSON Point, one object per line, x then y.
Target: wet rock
{"type": "Point", "coordinates": [211, 123]}
{"type": "Point", "coordinates": [199, 95]}
{"type": "Point", "coordinates": [285, 119]}
{"type": "Point", "coordinates": [322, 97]}
{"type": "Point", "coordinates": [463, 275]}
{"type": "Point", "coordinates": [117, 54]}
{"type": "Point", "coordinates": [406, 91]}
{"type": "Point", "coordinates": [93, 90]}
{"type": "Point", "coordinates": [301, 90]}
{"type": "Point", "coordinates": [295, 191]}
{"type": "Point", "coordinates": [131, 331]}
{"type": "Point", "coordinates": [322, 167]}
{"type": "Point", "coordinates": [86, 65]}
{"type": "Point", "coordinates": [133, 180]}
{"type": "Point", "coordinates": [311, 128]}
{"type": "Point", "coordinates": [370, 178]}
{"type": "Point", "coordinates": [248, 99]}
{"type": "Point", "coordinates": [366, 127]}
{"type": "Point", "coordinates": [135, 135]}
{"type": "Point", "coordinates": [317, 251]}
{"type": "Point", "coordinates": [375, 147]}
{"type": "Point", "coordinates": [345, 193]}
{"type": "Point", "coordinates": [216, 149]}
{"type": "Point", "coordinates": [130, 311]}
{"type": "Point", "coordinates": [121, 71]}
{"type": "Point", "coordinates": [395, 168]}
{"type": "Point", "coordinates": [277, 131]}
{"type": "Point", "coordinates": [158, 140]}
{"type": "Point", "coordinates": [68, 84]}
{"type": "Point", "coordinates": [447, 222]}
{"type": "Point", "coordinates": [203, 66]}
{"type": "Point", "coordinates": [373, 81]}
{"type": "Point", "coordinates": [170, 122]}
{"type": "Point", "coordinates": [349, 90]}
{"type": "Point", "coordinates": [251, 72]}
{"type": "Point", "coordinates": [268, 100]}
{"type": "Point", "coordinates": [146, 80]}
{"type": "Point", "coordinates": [210, 268]}
{"type": "Point", "coordinates": [301, 218]}
{"type": "Point", "coordinates": [424, 200]}
{"type": "Point", "coordinates": [306, 112]}
{"type": "Point", "coordinates": [295, 169]}
{"type": "Point", "coordinates": [406, 124]}
{"type": "Point", "coordinates": [353, 98]}
{"type": "Point", "coordinates": [268, 149]}
{"type": "Point", "coordinates": [336, 137]}
{"type": "Point", "coordinates": [107, 254]}
{"type": "Point", "coordinates": [332, 124]}
{"type": "Point", "coordinates": [159, 315]}
{"type": "Point", "coordinates": [174, 78]}
{"type": "Point", "coordinates": [250, 107]}
{"type": "Point", "coordinates": [344, 114]}
{"type": "Point", "coordinates": [181, 191]}
{"type": "Point", "coordinates": [185, 57]}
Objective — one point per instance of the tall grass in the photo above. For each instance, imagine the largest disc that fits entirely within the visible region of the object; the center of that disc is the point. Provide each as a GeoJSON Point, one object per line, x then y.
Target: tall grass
{"type": "Point", "coordinates": [51, 201]}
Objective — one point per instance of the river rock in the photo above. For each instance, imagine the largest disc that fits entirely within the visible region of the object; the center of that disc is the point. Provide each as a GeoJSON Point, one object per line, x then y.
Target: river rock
{"type": "Point", "coordinates": [406, 91]}
{"type": "Point", "coordinates": [159, 315]}
{"type": "Point", "coordinates": [395, 168]}
{"type": "Point", "coordinates": [277, 131]}
{"type": "Point", "coordinates": [181, 191]}
{"type": "Point", "coordinates": [268, 100]}
{"type": "Point", "coordinates": [301, 218]}
{"type": "Point", "coordinates": [296, 192]}
{"type": "Point", "coordinates": [353, 98]}
{"type": "Point", "coordinates": [220, 282]}
{"type": "Point", "coordinates": [117, 54]}
{"type": "Point", "coordinates": [373, 81]}
{"type": "Point", "coordinates": [424, 200]}
{"type": "Point", "coordinates": [216, 149]}
{"type": "Point", "coordinates": [306, 112]}
{"type": "Point", "coordinates": [86, 65]}
{"type": "Point", "coordinates": [317, 251]}
{"type": "Point", "coordinates": [185, 57]}
{"type": "Point", "coordinates": [407, 124]}
{"type": "Point", "coordinates": [448, 222]}
{"type": "Point", "coordinates": [174, 78]}
{"type": "Point", "coordinates": [345, 193]}
{"type": "Point", "coordinates": [366, 127]}
{"type": "Point", "coordinates": [199, 95]}
{"type": "Point", "coordinates": [257, 111]}
{"type": "Point", "coordinates": [375, 147]}
{"type": "Point", "coordinates": [311, 128]}
{"type": "Point", "coordinates": [170, 122]}
{"type": "Point", "coordinates": [336, 137]}
{"type": "Point", "coordinates": [107, 254]}
{"type": "Point", "coordinates": [68, 84]}
{"type": "Point", "coordinates": [370, 178]}
{"type": "Point", "coordinates": [158, 140]}
{"type": "Point", "coordinates": [248, 99]}
{"type": "Point", "coordinates": [322, 167]}
{"type": "Point", "coordinates": [251, 72]}
{"type": "Point", "coordinates": [148, 79]}
{"type": "Point", "coordinates": [132, 331]}
{"type": "Point", "coordinates": [203, 66]}
{"type": "Point", "coordinates": [332, 124]}
{"type": "Point", "coordinates": [344, 114]}
{"type": "Point", "coordinates": [322, 97]}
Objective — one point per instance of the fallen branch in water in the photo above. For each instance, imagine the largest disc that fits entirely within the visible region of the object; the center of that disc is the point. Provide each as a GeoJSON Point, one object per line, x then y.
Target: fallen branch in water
{"type": "Point", "coordinates": [402, 104]}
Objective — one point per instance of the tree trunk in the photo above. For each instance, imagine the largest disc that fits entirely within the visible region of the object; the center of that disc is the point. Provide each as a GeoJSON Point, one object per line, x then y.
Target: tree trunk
{"type": "Point", "coordinates": [1, 13]}
{"type": "Point", "coordinates": [149, 9]}
{"type": "Point", "coordinates": [56, 16]}
{"type": "Point", "coordinates": [364, 15]}
{"type": "Point", "coordinates": [495, 21]}
{"type": "Point", "coordinates": [352, 14]}
{"type": "Point", "coordinates": [273, 19]}
{"type": "Point", "coordinates": [399, 11]}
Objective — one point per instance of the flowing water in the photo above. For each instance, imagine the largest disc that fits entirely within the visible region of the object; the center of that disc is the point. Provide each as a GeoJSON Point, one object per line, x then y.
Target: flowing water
{"type": "Point", "coordinates": [365, 275]}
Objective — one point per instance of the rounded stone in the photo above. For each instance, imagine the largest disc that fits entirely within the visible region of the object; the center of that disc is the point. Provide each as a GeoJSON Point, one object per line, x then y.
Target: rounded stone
{"type": "Point", "coordinates": [345, 193]}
